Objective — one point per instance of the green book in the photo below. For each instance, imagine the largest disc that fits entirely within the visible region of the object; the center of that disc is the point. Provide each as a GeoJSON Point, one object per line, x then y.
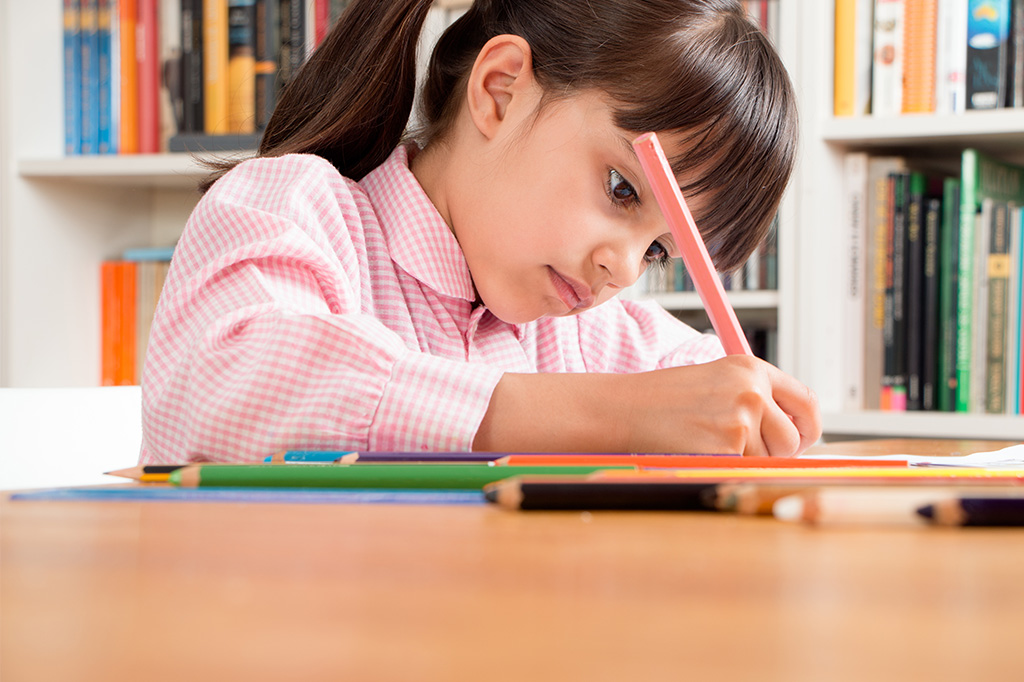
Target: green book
{"type": "Point", "coordinates": [981, 177]}
{"type": "Point", "coordinates": [949, 256]}
{"type": "Point", "coordinates": [393, 476]}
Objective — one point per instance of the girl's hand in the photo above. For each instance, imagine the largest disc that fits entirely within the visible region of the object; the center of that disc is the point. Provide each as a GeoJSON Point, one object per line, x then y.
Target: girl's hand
{"type": "Point", "coordinates": [735, 405]}
{"type": "Point", "coordinates": [738, 404]}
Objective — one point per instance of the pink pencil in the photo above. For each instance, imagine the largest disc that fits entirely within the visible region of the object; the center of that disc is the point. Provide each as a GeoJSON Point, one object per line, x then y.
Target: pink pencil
{"type": "Point", "coordinates": [695, 254]}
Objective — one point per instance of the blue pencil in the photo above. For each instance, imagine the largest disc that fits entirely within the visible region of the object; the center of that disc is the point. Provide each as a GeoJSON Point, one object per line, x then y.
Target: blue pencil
{"type": "Point", "coordinates": [350, 456]}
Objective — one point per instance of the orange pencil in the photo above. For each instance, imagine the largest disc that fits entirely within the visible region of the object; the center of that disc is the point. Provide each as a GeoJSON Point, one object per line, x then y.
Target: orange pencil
{"type": "Point", "coordinates": [695, 253]}
{"type": "Point", "coordinates": [690, 461]}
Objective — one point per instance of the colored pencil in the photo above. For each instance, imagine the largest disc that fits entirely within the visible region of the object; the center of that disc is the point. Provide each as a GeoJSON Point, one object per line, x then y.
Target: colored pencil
{"type": "Point", "coordinates": [695, 254]}
{"type": "Point", "coordinates": [574, 493]}
{"type": "Point", "coordinates": [857, 506]}
{"type": "Point", "coordinates": [833, 476]}
{"type": "Point", "coordinates": [694, 461]}
{"type": "Point", "coordinates": [148, 473]}
{"type": "Point", "coordinates": [352, 456]}
{"type": "Point", "coordinates": [975, 511]}
{"type": "Point", "coordinates": [399, 476]}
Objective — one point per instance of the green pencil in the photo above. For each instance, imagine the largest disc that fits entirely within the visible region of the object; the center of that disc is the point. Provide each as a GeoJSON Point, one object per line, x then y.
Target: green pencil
{"type": "Point", "coordinates": [430, 476]}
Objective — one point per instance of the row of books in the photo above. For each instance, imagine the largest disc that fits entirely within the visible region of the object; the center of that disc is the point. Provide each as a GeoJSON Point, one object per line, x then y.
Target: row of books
{"type": "Point", "coordinates": [927, 56]}
{"type": "Point", "coordinates": [148, 76]}
{"type": "Point", "coordinates": [935, 288]}
{"type": "Point", "coordinates": [130, 287]}
{"type": "Point", "coordinates": [759, 273]}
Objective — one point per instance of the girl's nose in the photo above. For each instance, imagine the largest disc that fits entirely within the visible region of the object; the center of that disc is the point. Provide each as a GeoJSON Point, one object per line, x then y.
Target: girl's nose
{"type": "Point", "coordinates": [620, 262]}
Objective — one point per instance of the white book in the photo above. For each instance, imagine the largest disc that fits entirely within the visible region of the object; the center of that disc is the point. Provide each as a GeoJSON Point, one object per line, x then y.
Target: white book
{"type": "Point", "coordinates": [887, 76]}
{"type": "Point", "coordinates": [855, 244]}
{"type": "Point", "coordinates": [951, 57]}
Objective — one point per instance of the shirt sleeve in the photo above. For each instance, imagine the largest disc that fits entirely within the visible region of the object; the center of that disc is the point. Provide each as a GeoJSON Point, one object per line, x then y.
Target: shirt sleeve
{"type": "Point", "coordinates": [264, 338]}
{"type": "Point", "coordinates": [638, 336]}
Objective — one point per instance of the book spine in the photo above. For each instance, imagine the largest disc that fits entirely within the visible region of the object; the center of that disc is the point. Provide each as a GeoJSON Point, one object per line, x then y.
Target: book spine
{"type": "Point", "coordinates": [106, 139]}
{"type": "Point", "coordinates": [951, 57]}
{"type": "Point", "coordinates": [292, 14]}
{"type": "Point", "coordinates": [948, 260]}
{"type": "Point", "coordinates": [72, 78]}
{"type": "Point", "coordinates": [1015, 301]}
{"type": "Point", "coordinates": [128, 135]}
{"type": "Point", "coordinates": [930, 322]}
{"type": "Point", "coordinates": [148, 59]}
{"type": "Point", "coordinates": [988, 36]}
{"type": "Point", "coordinates": [887, 62]}
{"type": "Point", "coordinates": [241, 66]}
{"type": "Point", "coordinates": [913, 289]}
{"type": "Point", "coordinates": [919, 41]}
{"type": "Point", "coordinates": [998, 272]}
{"type": "Point", "coordinates": [965, 276]}
{"type": "Point", "coordinates": [90, 77]}
{"type": "Point", "coordinates": [192, 66]}
{"type": "Point", "coordinates": [979, 340]}
{"type": "Point", "coordinates": [126, 329]}
{"type": "Point", "coordinates": [268, 40]}
{"type": "Point", "coordinates": [900, 224]}
{"type": "Point", "coordinates": [215, 66]}
{"type": "Point", "coordinates": [1015, 59]}
{"type": "Point", "coordinates": [855, 179]}
{"type": "Point", "coordinates": [879, 217]}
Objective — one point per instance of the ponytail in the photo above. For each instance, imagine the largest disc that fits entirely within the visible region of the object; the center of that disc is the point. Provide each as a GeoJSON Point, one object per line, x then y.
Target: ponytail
{"type": "Point", "coordinates": [350, 102]}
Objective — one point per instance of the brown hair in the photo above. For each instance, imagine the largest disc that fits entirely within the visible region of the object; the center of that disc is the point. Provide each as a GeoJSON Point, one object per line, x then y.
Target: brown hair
{"type": "Point", "coordinates": [696, 67]}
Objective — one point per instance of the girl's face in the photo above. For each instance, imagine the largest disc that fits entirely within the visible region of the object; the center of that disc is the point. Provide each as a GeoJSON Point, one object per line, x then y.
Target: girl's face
{"type": "Point", "coordinates": [559, 217]}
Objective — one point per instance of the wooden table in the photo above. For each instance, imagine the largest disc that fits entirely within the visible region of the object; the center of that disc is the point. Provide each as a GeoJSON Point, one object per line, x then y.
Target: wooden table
{"type": "Point", "coordinates": [201, 591]}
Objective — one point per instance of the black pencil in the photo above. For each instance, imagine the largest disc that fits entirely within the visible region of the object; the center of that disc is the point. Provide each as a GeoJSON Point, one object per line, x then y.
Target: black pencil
{"type": "Point", "coordinates": [147, 472]}
{"type": "Point", "coordinates": [580, 494]}
{"type": "Point", "coordinates": [975, 511]}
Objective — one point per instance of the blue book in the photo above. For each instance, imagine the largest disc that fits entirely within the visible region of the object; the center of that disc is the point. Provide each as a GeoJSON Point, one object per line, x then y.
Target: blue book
{"type": "Point", "coordinates": [90, 77]}
{"type": "Point", "coordinates": [107, 137]}
{"type": "Point", "coordinates": [72, 78]}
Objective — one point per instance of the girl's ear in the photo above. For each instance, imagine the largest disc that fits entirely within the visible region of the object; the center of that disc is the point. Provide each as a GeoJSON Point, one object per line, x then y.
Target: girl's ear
{"type": "Point", "coordinates": [502, 77]}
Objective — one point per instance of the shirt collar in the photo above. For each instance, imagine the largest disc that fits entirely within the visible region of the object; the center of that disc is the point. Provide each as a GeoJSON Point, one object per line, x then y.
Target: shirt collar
{"type": "Point", "coordinates": [418, 238]}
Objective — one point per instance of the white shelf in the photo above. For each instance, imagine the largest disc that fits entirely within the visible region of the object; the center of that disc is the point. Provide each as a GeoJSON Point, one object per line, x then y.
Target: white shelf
{"type": "Point", "coordinates": [740, 300]}
{"type": "Point", "coordinates": [925, 425]}
{"type": "Point", "coordinates": [128, 170]}
{"type": "Point", "coordinates": [985, 128]}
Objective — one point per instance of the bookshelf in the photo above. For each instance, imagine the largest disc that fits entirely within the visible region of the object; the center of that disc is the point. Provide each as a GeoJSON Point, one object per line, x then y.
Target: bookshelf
{"type": "Point", "coordinates": [826, 139]}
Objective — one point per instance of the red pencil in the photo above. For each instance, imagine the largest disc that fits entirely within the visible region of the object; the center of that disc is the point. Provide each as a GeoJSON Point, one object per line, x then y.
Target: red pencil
{"type": "Point", "coordinates": [688, 239]}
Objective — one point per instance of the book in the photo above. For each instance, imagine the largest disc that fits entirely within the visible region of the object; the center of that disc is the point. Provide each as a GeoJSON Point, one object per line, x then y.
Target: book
{"type": "Point", "coordinates": [887, 60]}
{"type": "Point", "coordinates": [951, 57]}
{"type": "Point", "coordinates": [268, 38]}
{"type": "Point", "coordinates": [913, 288]}
{"type": "Point", "coordinates": [855, 218]}
{"type": "Point", "coordinates": [72, 27]}
{"type": "Point", "coordinates": [1015, 57]}
{"type": "Point", "coordinates": [949, 251]}
{"type": "Point", "coordinates": [998, 274]}
{"type": "Point", "coordinates": [988, 36]}
{"type": "Point", "coordinates": [148, 55]}
{"type": "Point", "coordinates": [292, 15]}
{"type": "Point", "coordinates": [878, 212]}
{"type": "Point", "coordinates": [1013, 311]}
{"type": "Point", "coordinates": [215, 67]}
{"type": "Point", "coordinates": [852, 77]}
{"type": "Point", "coordinates": [919, 51]}
{"type": "Point", "coordinates": [128, 86]}
{"type": "Point", "coordinates": [106, 121]}
{"type": "Point", "coordinates": [241, 66]}
{"type": "Point", "coordinates": [193, 117]}
{"type": "Point", "coordinates": [981, 177]}
{"type": "Point", "coordinates": [118, 323]}
{"type": "Point", "coordinates": [90, 77]}
{"type": "Point", "coordinates": [930, 321]}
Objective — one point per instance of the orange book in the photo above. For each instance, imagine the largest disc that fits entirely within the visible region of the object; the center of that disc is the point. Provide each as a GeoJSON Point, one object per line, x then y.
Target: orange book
{"type": "Point", "coordinates": [852, 52]}
{"type": "Point", "coordinates": [919, 50]}
{"type": "Point", "coordinates": [126, 273]}
{"type": "Point", "coordinates": [215, 66]}
{"type": "Point", "coordinates": [128, 14]}
{"type": "Point", "coordinates": [108, 322]}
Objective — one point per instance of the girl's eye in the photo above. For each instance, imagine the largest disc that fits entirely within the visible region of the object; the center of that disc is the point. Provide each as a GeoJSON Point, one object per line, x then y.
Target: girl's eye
{"type": "Point", "coordinates": [657, 255]}
{"type": "Point", "coordinates": [620, 191]}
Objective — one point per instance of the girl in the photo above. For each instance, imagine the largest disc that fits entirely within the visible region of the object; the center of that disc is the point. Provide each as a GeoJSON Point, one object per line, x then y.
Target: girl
{"type": "Point", "coordinates": [455, 290]}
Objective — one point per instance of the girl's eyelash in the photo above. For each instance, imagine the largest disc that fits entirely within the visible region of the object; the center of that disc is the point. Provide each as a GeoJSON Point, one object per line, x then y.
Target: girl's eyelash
{"type": "Point", "coordinates": [620, 191]}
{"type": "Point", "coordinates": [660, 260]}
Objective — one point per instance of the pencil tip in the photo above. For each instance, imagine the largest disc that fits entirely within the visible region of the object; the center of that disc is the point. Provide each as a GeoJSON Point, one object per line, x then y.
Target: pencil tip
{"type": "Point", "coordinates": [491, 494]}
{"type": "Point", "coordinates": [927, 511]}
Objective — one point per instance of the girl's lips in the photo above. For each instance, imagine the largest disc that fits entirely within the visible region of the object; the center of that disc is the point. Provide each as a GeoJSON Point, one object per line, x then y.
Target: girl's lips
{"type": "Point", "coordinates": [575, 295]}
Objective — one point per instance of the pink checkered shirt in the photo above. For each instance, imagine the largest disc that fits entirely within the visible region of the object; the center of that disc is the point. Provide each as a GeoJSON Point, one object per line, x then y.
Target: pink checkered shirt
{"type": "Point", "coordinates": [307, 311]}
